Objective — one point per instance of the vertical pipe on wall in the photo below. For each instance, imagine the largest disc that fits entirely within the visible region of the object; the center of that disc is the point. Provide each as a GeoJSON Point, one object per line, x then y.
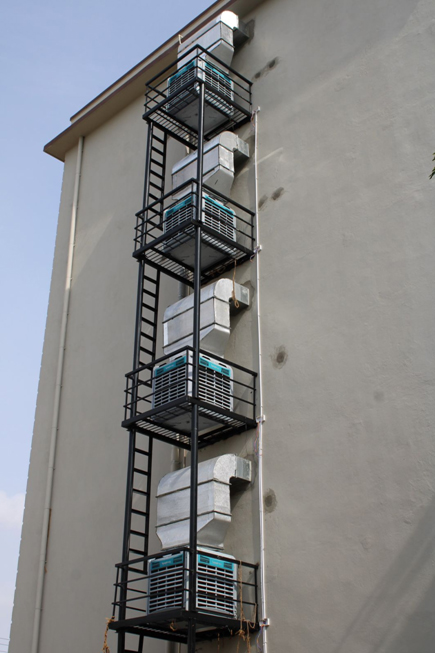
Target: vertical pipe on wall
{"type": "Point", "coordinates": [56, 405]}
{"type": "Point", "coordinates": [260, 418]}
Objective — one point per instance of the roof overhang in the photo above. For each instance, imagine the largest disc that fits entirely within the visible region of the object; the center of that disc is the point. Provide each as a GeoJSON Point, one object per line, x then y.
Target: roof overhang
{"type": "Point", "coordinates": [131, 85]}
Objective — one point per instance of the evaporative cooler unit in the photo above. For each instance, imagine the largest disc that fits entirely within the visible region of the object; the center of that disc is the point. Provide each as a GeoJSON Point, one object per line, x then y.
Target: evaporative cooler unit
{"type": "Point", "coordinates": [168, 584]}
{"type": "Point", "coordinates": [214, 215]}
{"type": "Point", "coordinates": [219, 88]}
{"type": "Point", "coordinates": [173, 380]}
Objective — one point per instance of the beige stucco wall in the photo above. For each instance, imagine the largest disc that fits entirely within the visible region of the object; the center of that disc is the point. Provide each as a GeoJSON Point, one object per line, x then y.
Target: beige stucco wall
{"type": "Point", "coordinates": [347, 97]}
{"type": "Point", "coordinates": [89, 484]}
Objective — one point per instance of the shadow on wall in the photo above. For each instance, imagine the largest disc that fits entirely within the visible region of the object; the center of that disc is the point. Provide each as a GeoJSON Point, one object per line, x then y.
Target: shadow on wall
{"type": "Point", "coordinates": [399, 617]}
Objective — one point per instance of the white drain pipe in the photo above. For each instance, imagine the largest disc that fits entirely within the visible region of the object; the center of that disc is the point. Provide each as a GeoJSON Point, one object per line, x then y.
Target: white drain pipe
{"type": "Point", "coordinates": [56, 407]}
{"type": "Point", "coordinates": [264, 621]}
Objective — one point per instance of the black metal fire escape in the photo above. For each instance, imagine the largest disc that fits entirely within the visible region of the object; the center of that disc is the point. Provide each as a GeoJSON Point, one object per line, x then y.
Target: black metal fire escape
{"type": "Point", "coordinates": [207, 252]}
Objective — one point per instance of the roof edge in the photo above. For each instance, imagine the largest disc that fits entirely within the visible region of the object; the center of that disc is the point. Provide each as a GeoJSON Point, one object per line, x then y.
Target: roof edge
{"type": "Point", "coordinates": [131, 85]}
{"type": "Point", "coordinates": [168, 44]}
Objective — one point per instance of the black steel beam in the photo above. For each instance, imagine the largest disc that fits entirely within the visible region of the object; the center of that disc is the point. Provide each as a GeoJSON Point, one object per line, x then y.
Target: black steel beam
{"type": "Point", "coordinates": [193, 528]}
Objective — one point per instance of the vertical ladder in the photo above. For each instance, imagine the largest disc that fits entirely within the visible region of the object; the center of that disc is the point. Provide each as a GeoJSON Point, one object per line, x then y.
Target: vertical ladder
{"type": "Point", "coordinates": [136, 525]}
{"type": "Point", "coordinates": [147, 314]}
{"type": "Point", "coordinates": [138, 641]}
{"type": "Point", "coordinates": [149, 277]}
{"type": "Point", "coordinates": [138, 494]}
{"type": "Point", "coordinates": [137, 509]}
{"type": "Point", "coordinates": [155, 165]}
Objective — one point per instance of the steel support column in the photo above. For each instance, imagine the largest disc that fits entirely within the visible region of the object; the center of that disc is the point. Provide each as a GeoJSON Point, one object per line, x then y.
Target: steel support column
{"type": "Point", "coordinates": [193, 540]}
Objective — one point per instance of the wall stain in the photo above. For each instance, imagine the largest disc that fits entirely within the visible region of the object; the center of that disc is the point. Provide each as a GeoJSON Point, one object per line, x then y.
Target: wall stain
{"type": "Point", "coordinates": [279, 358]}
{"type": "Point", "coordinates": [367, 543]}
{"type": "Point", "coordinates": [267, 68]}
{"type": "Point", "coordinates": [270, 501]}
{"type": "Point", "coordinates": [277, 193]}
{"type": "Point", "coordinates": [262, 201]}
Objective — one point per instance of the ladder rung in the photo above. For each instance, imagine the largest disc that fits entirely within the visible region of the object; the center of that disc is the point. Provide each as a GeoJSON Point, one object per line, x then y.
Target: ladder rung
{"type": "Point", "coordinates": [141, 492]}
{"type": "Point", "coordinates": [158, 139]}
{"type": "Point", "coordinates": [147, 351]}
{"type": "Point", "coordinates": [143, 319]}
{"type": "Point", "coordinates": [135, 511]}
{"type": "Point", "coordinates": [138, 533]}
{"type": "Point", "coordinates": [156, 173]}
{"type": "Point", "coordinates": [145, 335]}
{"type": "Point", "coordinates": [138, 551]}
{"type": "Point", "coordinates": [150, 279]}
{"type": "Point", "coordinates": [148, 335]}
{"type": "Point", "coordinates": [148, 292]}
{"type": "Point", "coordinates": [153, 196]}
{"type": "Point", "coordinates": [156, 186]}
{"type": "Point", "coordinates": [155, 149]}
{"type": "Point", "coordinates": [157, 163]}
{"type": "Point", "coordinates": [140, 471]}
{"type": "Point", "coordinates": [142, 451]}
{"type": "Point", "coordinates": [150, 308]}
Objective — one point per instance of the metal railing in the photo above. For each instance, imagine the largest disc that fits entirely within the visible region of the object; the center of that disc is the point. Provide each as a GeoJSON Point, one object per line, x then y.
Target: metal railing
{"type": "Point", "coordinates": [165, 232]}
{"type": "Point", "coordinates": [156, 589]}
{"type": "Point", "coordinates": [159, 397]}
{"type": "Point", "coordinates": [171, 96]}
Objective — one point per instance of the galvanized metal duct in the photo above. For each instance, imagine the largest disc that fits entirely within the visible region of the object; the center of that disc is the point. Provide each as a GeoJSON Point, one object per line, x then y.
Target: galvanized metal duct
{"type": "Point", "coordinates": [215, 478]}
{"type": "Point", "coordinates": [221, 156]}
{"type": "Point", "coordinates": [216, 306]}
{"type": "Point", "coordinates": [216, 37]}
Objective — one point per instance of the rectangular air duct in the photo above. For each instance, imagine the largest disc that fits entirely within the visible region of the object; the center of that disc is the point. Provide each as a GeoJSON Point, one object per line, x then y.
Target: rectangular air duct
{"type": "Point", "coordinates": [216, 37]}
{"type": "Point", "coordinates": [221, 156]}
{"type": "Point", "coordinates": [216, 477]}
{"type": "Point", "coordinates": [216, 306]}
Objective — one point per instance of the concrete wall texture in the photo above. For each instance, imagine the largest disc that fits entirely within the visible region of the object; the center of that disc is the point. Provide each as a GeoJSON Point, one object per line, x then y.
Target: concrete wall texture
{"type": "Point", "coordinates": [347, 97]}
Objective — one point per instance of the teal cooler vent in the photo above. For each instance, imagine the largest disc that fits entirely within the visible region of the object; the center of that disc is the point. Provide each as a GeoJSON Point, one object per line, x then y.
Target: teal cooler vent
{"type": "Point", "coordinates": [168, 584]}
{"type": "Point", "coordinates": [215, 215]}
{"type": "Point", "coordinates": [183, 92]}
{"type": "Point", "coordinates": [173, 380]}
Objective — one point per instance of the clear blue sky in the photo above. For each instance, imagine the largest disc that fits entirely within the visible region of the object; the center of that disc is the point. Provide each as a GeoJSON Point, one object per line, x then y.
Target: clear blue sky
{"type": "Point", "coordinates": [54, 57]}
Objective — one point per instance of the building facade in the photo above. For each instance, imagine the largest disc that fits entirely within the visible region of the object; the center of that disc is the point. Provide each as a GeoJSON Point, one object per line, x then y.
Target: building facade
{"type": "Point", "coordinates": [340, 144]}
